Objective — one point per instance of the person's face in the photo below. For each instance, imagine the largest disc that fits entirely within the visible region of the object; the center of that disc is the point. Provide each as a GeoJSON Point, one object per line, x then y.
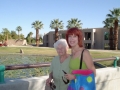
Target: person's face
{"type": "Point", "coordinates": [73, 40]}
{"type": "Point", "coordinates": [61, 50]}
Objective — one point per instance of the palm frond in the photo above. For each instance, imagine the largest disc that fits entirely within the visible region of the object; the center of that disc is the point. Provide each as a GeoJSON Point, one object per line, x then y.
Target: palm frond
{"type": "Point", "coordinates": [109, 15]}
{"type": "Point", "coordinates": [74, 22]}
{"type": "Point", "coordinates": [56, 24]}
{"type": "Point", "coordinates": [114, 14]}
{"type": "Point", "coordinates": [108, 23]}
{"type": "Point", "coordinates": [19, 28]}
{"type": "Point", "coordinates": [37, 25]}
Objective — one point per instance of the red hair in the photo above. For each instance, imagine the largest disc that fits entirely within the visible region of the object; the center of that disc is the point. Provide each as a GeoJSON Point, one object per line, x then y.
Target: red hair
{"type": "Point", "coordinates": [77, 32]}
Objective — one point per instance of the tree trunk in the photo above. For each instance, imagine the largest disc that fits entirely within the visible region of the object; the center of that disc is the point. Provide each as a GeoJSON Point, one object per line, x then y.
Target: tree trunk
{"type": "Point", "coordinates": [116, 34]}
{"type": "Point", "coordinates": [37, 37]}
{"type": "Point", "coordinates": [56, 34]}
{"type": "Point", "coordinates": [111, 38]}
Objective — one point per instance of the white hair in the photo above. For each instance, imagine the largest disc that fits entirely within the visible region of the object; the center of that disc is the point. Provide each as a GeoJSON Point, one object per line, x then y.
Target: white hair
{"type": "Point", "coordinates": [60, 41]}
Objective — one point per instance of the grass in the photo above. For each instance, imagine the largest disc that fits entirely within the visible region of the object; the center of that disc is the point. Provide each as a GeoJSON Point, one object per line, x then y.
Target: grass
{"type": "Point", "coordinates": [12, 59]}
{"type": "Point", "coordinates": [52, 51]}
{"type": "Point", "coordinates": [11, 56]}
{"type": "Point", "coordinates": [28, 50]}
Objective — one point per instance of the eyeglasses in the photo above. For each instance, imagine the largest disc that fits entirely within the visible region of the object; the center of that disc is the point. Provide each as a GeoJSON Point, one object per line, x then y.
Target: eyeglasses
{"type": "Point", "coordinates": [52, 86]}
{"type": "Point", "coordinates": [67, 81]}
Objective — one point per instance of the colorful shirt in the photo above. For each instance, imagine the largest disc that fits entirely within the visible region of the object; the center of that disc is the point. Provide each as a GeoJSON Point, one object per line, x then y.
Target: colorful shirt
{"type": "Point", "coordinates": [75, 64]}
{"type": "Point", "coordinates": [85, 79]}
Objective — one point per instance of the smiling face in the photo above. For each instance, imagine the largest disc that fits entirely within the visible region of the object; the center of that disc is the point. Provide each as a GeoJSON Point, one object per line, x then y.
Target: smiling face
{"type": "Point", "coordinates": [74, 36]}
{"type": "Point", "coordinates": [61, 50]}
{"type": "Point", "coordinates": [73, 40]}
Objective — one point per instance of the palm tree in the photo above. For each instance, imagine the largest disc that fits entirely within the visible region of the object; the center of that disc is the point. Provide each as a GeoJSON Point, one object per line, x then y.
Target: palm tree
{"type": "Point", "coordinates": [5, 33]}
{"type": "Point", "coordinates": [37, 25]}
{"type": "Point", "coordinates": [109, 25]}
{"type": "Point", "coordinates": [21, 36]}
{"type": "Point", "coordinates": [31, 33]}
{"type": "Point", "coordinates": [115, 15]}
{"type": "Point", "coordinates": [19, 28]}
{"type": "Point", "coordinates": [1, 37]}
{"type": "Point", "coordinates": [29, 37]}
{"type": "Point", "coordinates": [74, 22]}
{"type": "Point", "coordinates": [56, 24]}
{"type": "Point", "coordinates": [13, 34]}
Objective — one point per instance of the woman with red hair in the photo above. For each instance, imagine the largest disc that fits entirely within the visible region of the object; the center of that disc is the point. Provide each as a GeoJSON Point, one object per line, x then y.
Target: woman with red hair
{"type": "Point", "coordinates": [74, 37]}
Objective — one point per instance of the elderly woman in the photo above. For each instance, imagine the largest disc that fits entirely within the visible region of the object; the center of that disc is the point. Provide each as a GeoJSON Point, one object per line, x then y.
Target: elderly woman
{"type": "Point", "coordinates": [59, 63]}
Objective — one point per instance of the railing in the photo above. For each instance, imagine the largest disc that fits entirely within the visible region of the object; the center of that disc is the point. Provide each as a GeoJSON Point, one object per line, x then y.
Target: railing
{"type": "Point", "coordinates": [24, 66]}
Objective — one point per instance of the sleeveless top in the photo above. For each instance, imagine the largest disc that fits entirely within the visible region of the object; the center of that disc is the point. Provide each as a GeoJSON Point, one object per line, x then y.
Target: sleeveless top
{"type": "Point", "coordinates": [74, 64]}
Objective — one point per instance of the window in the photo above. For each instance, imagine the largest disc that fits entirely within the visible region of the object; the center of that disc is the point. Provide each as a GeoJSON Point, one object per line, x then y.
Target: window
{"type": "Point", "coordinates": [106, 36]}
{"type": "Point", "coordinates": [46, 37]}
{"type": "Point", "coordinates": [53, 36]}
{"type": "Point", "coordinates": [63, 35]}
{"type": "Point", "coordinates": [87, 35]}
{"type": "Point", "coordinates": [106, 46]}
{"type": "Point", "coordinates": [47, 44]}
{"type": "Point", "coordinates": [87, 45]}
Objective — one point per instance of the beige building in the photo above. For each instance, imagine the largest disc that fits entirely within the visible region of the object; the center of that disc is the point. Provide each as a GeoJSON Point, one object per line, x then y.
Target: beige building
{"type": "Point", "coordinates": [94, 38]}
{"type": "Point", "coordinates": [13, 42]}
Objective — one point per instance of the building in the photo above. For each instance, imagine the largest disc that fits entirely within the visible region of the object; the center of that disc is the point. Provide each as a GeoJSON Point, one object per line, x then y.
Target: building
{"type": "Point", "coordinates": [13, 42]}
{"type": "Point", "coordinates": [94, 38]}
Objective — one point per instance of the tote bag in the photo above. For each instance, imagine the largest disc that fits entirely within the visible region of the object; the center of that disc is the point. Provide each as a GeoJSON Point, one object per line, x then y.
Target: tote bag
{"type": "Point", "coordinates": [85, 79]}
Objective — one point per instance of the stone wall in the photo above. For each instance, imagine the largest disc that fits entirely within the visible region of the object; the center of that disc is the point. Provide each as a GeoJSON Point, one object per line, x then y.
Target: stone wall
{"type": "Point", "coordinates": [106, 79]}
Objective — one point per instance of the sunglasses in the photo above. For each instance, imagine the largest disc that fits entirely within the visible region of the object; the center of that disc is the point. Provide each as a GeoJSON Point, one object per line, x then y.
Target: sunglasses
{"type": "Point", "coordinates": [65, 81]}
{"type": "Point", "coordinates": [52, 86]}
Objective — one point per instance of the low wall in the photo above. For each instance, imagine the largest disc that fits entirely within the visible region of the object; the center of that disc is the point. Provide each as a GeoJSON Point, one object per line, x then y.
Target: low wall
{"type": "Point", "coordinates": [106, 79]}
{"type": "Point", "coordinates": [35, 83]}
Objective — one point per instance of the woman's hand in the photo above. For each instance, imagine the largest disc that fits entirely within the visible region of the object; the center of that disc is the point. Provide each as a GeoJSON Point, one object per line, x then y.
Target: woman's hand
{"type": "Point", "coordinates": [48, 81]}
{"type": "Point", "coordinates": [69, 76]}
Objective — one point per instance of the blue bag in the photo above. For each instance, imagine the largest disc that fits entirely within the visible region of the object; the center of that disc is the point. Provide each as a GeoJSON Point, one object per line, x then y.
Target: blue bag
{"type": "Point", "coordinates": [85, 79]}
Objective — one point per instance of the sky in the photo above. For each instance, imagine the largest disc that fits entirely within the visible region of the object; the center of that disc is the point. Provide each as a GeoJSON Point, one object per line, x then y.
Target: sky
{"type": "Point", "coordinates": [23, 13]}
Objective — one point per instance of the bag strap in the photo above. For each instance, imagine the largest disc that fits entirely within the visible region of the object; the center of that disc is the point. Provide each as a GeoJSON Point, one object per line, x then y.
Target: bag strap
{"type": "Point", "coordinates": [81, 59]}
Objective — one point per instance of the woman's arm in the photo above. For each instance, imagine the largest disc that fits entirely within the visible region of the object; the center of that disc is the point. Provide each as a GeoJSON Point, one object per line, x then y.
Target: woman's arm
{"type": "Point", "coordinates": [70, 76]}
{"type": "Point", "coordinates": [51, 75]}
{"type": "Point", "coordinates": [49, 79]}
{"type": "Point", "coordinates": [88, 61]}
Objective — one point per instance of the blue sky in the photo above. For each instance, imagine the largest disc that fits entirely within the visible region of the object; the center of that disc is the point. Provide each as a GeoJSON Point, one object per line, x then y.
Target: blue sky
{"type": "Point", "coordinates": [22, 13]}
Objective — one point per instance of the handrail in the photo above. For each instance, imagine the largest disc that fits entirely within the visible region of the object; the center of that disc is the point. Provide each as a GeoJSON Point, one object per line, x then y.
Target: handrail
{"type": "Point", "coordinates": [108, 59]}
{"type": "Point", "coordinates": [104, 59]}
{"type": "Point", "coordinates": [99, 65]}
{"type": "Point", "coordinates": [24, 66]}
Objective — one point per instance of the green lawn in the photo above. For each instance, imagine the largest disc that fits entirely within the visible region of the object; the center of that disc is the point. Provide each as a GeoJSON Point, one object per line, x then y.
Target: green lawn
{"type": "Point", "coordinates": [52, 51]}
{"type": "Point", "coordinates": [11, 56]}
{"type": "Point", "coordinates": [28, 50]}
